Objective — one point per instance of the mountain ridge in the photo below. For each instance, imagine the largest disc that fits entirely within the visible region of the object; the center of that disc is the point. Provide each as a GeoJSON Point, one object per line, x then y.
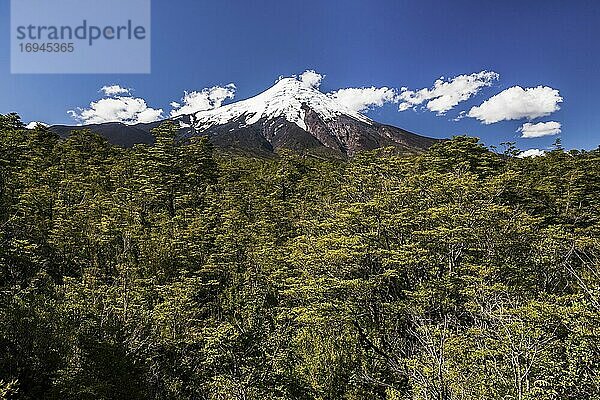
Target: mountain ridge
{"type": "Point", "coordinates": [289, 115]}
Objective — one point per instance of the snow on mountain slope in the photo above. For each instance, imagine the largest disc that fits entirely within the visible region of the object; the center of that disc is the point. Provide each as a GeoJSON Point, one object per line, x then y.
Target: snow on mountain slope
{"type": "Point", "coordinates": [291, 115]}
{"type": "Point", "coordinates": [284, 99]}
{"type": "Point", "coordinates": [34, 124]}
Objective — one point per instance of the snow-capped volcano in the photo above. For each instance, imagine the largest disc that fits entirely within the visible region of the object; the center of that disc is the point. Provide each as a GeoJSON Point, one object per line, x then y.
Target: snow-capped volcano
{"type": "Point", "coordinates": [34, 124]}
{"type": "Point", "coordinates": [292, 114]}
{"type": "Point", "coordinates": [288, 98]}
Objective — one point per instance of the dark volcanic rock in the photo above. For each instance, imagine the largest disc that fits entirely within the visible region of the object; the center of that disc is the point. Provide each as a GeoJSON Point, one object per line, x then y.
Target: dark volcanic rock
{"type": "Point", "coordinates": [289, 115]}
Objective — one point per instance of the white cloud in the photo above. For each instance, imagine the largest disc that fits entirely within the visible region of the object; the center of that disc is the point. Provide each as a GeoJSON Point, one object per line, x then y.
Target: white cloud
{"type": "Point", "coordinates": [361, 99]}
{"type": "Point", "coordinates": [531, 153]}
{"type": "Point", "coordinates": [447, 93]}
{"type": "Point", "coordinates": [206, 99]}
{"type": "Point", "coordinates": [114, 90]}
{"type": "Point", "coordinates": [356, 99]}
{"type": "Point", "coordinates": [529, 130]}
{"type": "Point", "coordinates": [518, 103]}
{"type": "Point", "coordinates": [128, 110]}
{"type": "Point", "coordinates": [312, 78]}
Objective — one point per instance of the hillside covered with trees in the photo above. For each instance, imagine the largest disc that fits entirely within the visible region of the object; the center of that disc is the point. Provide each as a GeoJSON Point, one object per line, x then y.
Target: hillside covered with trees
{"type": "Point", "coordinates": [176, 271]}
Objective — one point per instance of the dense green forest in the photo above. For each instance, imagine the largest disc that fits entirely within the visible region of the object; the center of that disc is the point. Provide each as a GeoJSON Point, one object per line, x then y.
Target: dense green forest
{"type": "Point", "coordinates": [177, 271]}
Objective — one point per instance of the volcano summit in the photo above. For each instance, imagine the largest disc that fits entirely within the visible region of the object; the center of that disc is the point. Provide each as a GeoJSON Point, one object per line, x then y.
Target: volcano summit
{"type": "Point", "coordinates": [292, 114]}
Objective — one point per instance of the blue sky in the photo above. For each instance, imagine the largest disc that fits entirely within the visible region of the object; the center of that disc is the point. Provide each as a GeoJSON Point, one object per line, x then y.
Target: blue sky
{"type": "Point", "coordinates": [391, 43]}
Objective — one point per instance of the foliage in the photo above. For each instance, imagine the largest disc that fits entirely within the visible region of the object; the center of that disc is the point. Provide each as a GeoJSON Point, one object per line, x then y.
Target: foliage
{"type": "Point", "coordinates": [175, 271]}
